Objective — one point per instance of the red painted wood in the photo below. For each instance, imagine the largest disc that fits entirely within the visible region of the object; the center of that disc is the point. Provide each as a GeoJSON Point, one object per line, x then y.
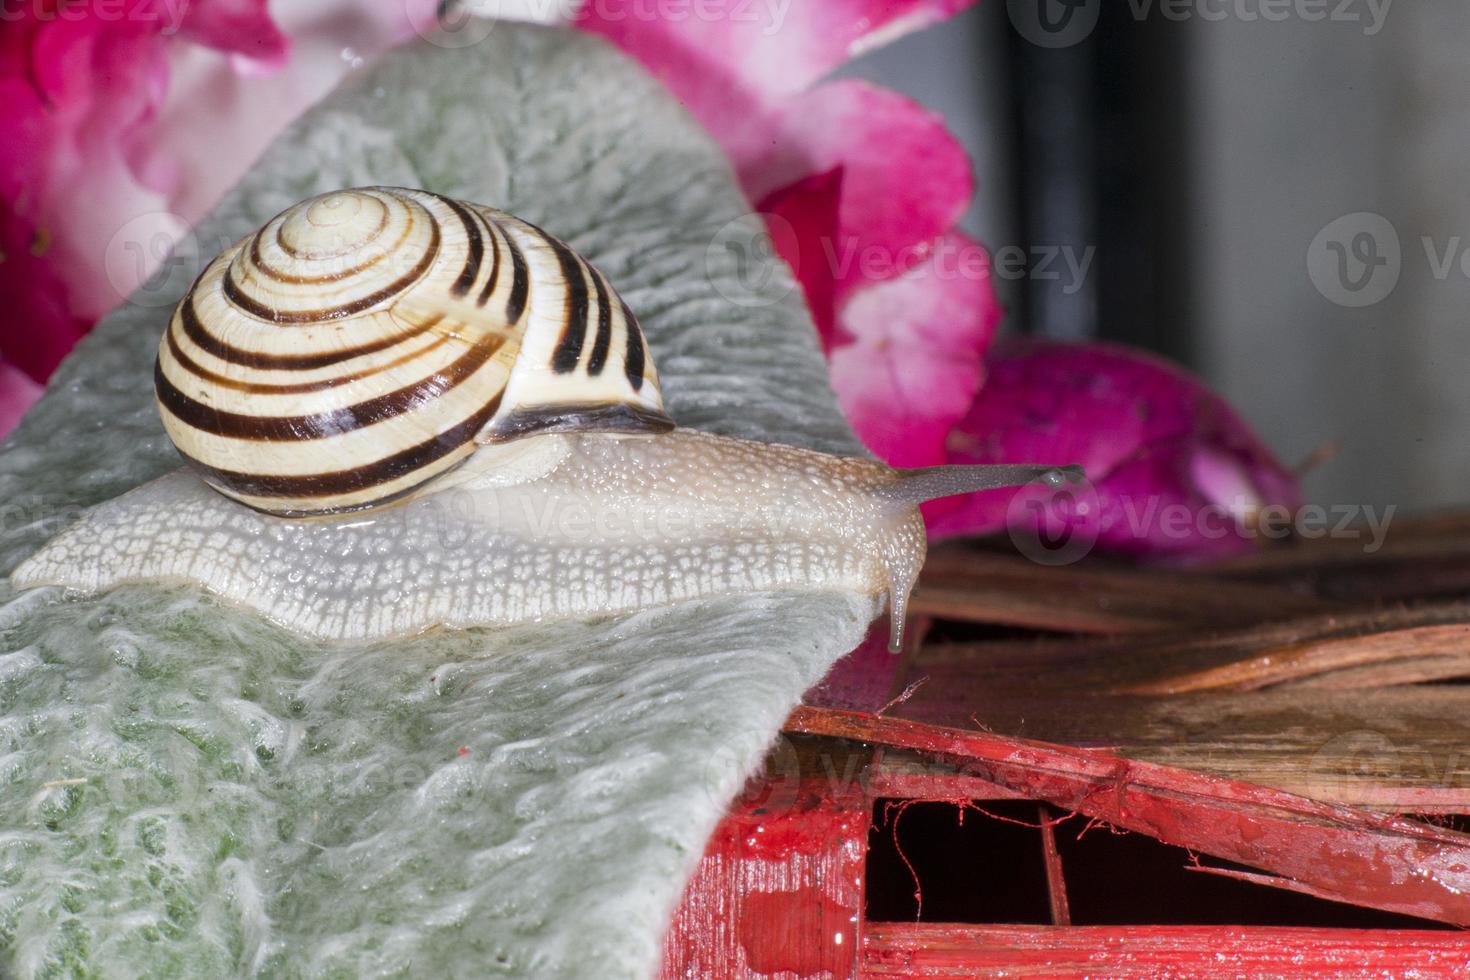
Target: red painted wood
{"type": "Point", "coordinates": [924, 950]}
{"type": "Point", "coordinates": [779, 891]}
{"type": "Point", "coordinates": [1373, 860]}
{"type": "Point", "coordinates": [1056, 878]}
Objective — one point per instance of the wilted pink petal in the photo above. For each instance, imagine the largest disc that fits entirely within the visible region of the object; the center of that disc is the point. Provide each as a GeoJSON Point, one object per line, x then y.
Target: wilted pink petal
{"type": "Point", "coordinates": [17, 393]}
{"type": "Point", "coordinates": [905, 179]}
{"type": "Point", "coordinates": [914, 363]}
{"type": "Point", "coordinates": [1172, 470]}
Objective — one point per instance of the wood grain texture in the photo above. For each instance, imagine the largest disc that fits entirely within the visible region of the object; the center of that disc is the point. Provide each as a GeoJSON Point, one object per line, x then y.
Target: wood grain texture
{"type": "Point", "coordinates": [779, 891]}
{"type": "Point", "coordinates": [969, 584]}
{"type": "Point", "coordinates": [1373, 860]}
{"type": "Point", "coordinates": [892, 949]}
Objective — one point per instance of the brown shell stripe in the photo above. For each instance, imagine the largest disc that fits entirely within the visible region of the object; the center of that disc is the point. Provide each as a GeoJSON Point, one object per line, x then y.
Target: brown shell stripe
{"type": "Point", "coordinates": [420, 457]}
{"type": "Point", "coordinates": [476, 247]}
{"type": "Point", "coordinates": [494, 278]}
{"type": "Point", "coordinates": [634, 356]}
{"type": "Point", "coordinates": [259, 264]}
{"type": "Point", "coordinates": [520, 283]}
{"type": "Point", "coordinates": [237, 296]}
{"type": "Point", "coordinates": [574, 320]}
{"type": "Point", "coordinates": [260, 388]}
{"type": "Point", "coordinates": [188, 320]}
{"type": "Point", "coordinates": [598, 358]}
{"type": "Point", "coordinates": [323, 425]}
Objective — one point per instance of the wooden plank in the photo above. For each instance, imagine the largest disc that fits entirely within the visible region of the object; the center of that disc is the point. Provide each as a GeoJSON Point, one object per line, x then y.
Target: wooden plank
{"type": "Point", "coordinates": [968, 584]}
{"type": "Point", "coordinates": [1373, 860]}
{"type": "Point", "coordinates": [892, 949]}
{"type": "Point", "coordinates": [779, 889]}
{"type": "Point", "coordinates": [1401, 749]}
{"type": "Point", "coordinates": [1420, 557]}
{"type": "Point", "coordinates": [1056, 879]}
{"type": "Point", "coordinates": [774, 893]}
{"type": "Point", "coordinates": [1321, 706]}
{"type": "Point", "coordinates": [1295, 650]}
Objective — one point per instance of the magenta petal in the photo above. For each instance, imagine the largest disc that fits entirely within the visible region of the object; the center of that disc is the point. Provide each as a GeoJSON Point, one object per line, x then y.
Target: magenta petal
{"type": "Point", "coordinates": [39, 327]}
{"type": "Point", "coordinates": [914, 363]}
{"type": "Point", "coordinates": [736, 65]}
{"type": "Point", "coordinates": [773, 49]}
{"type": "Point", "coordinates": [801, 220]}
{"type": "Point", "coordinates": [241, 27]}
{"type": "Point", "coordinates": [17, 393]}
{"type": "Point", "coordinates": [25, 137]}
{"type": "Point", "coordinates": [1173, 471]}
{"type": "Point", "coordinates": [906, 179]}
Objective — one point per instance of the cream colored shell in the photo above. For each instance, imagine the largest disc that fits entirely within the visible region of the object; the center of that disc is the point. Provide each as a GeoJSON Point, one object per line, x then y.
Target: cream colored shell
{"type": "Point", "coordinates": [365, 341]}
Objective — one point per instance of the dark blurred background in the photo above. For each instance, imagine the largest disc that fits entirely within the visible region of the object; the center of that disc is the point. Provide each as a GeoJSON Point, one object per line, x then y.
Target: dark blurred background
{"type": "Point", "coordinates": [1272, 193]}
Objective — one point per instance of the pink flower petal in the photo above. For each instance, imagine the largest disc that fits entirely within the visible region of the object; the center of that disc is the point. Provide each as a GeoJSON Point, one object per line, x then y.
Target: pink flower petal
{"type": "Point", "coordinates": [242, 27]}
{"type": "Point", "coordinates": [802, 221]}
{"type": "Point", "coordinates": [734, 64]}
{"type": "Point", "coordinates": [216, 121]}
{"type": "Point", "coordinates": [914, 364]}
{"type": "Point", "coordinates": [17, 393]}
{"type": "Point", "coordinates": [25, 137]}
{"type": "Point", "coordinates": [906, 179]}
{"type": "Point", "coordinates": [38, 327]}
{"type": "Point", "coordinates": [774, 50]}
{"type": "Point", "coordinates": [1173, 470]}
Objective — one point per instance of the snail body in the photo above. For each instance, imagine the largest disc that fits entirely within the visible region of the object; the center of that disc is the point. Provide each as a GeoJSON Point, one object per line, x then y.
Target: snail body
{"type": "Point", "coordinates": [400, 411]}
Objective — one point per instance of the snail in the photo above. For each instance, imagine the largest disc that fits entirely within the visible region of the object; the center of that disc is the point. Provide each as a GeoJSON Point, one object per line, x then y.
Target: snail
{"type": "Point", "coordinates": [400, 411]}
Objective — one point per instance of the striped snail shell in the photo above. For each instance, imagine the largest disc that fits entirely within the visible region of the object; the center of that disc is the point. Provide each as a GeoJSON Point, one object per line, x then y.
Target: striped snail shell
{"type": "Point", "coordinates": [363, 342]}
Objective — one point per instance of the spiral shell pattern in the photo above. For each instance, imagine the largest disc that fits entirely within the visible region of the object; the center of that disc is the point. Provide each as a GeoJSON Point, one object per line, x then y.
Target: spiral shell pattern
{"type": "Point", "coordinates": [363, 342]}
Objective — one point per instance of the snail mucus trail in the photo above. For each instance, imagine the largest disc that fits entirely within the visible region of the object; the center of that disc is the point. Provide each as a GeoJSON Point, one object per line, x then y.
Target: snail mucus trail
{"type": "Point", "coordinates": [400, 411]}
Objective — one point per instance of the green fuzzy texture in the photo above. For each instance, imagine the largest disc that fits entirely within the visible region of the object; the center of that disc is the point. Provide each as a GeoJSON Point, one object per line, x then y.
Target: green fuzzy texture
{"type": "Point", "coordinates": [189, 791]}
